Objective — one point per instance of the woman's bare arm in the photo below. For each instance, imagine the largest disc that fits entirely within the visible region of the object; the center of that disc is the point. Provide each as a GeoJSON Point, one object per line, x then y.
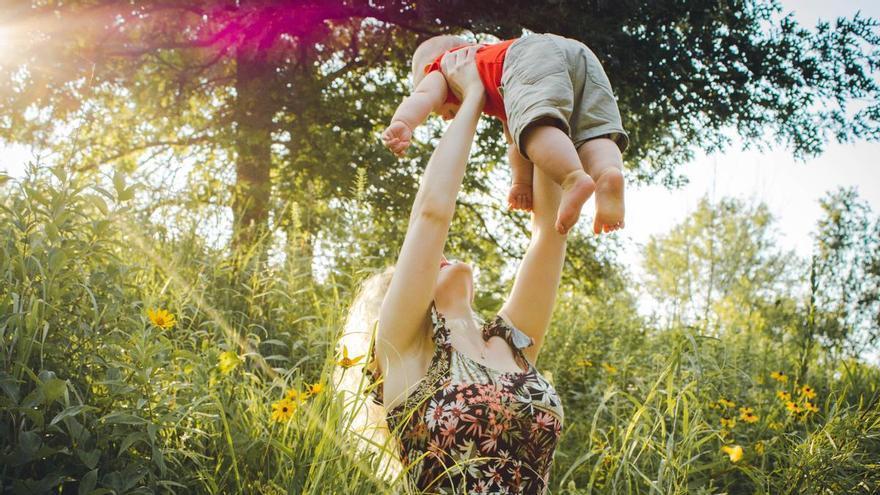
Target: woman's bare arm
{"type": "Point", "coordinates": [530, 304]}
{"type": "Point", "coordinates": [409, 296]}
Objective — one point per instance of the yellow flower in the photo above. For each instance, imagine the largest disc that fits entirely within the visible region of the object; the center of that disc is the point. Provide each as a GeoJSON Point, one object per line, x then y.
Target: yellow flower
{"type": "Point", "coordinates": [282, 410]}
{"type": "Point", "coordinates": [347, 362]}
{"type": "Point", "coordinates": [726, 403]}
{"type": "Point", "coordinates": [792, 407]}
{"type": "Point", "coordinates": [161, 318]}
{"type": "Point", "coordinates": [783, 395]}
{"type": "Point", "coordinates": [809, 406]}
{"type": "Point", "coordinates": [314, 389]}
{"type": "Point", "coordinates": [759, 448]}
{"type": "Point", "coordinates": [747, 414]}
{"type": "Point", "coordinates": [779, 376]}
{"type": "Point", "coordinates": [735, 452]}
{"type": "Point", "coordinates": [294, 395]}
{"type": "Point", "coordinates": [586, 363]}
{"type": "Point", "coordinates": [728, 423]}
{"type": "Point", "coordinates": [227, 362]}
{"type": "Point", "coordinates": [610, 369]}
{"type": "Point", "coordinates": [808, 392]}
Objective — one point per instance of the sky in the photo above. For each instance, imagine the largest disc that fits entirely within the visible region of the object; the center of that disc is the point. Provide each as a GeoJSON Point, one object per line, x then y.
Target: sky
{"type": "Point", "coordinates": [790, 188]}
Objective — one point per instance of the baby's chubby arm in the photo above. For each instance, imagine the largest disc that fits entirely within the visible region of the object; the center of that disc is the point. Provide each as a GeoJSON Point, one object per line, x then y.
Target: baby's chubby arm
{"type": "Point", "coordinates": [413, 110]}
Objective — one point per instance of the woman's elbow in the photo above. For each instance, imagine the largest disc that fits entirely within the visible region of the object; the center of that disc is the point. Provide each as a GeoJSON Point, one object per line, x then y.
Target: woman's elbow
{"type": "Point", "coordinates": [434, 212]}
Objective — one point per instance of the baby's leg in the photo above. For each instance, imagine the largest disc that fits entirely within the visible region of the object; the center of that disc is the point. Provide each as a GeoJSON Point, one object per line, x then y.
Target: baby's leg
{"type": "Point", "coordinates": [520, 195]}
{"type": "Point", "coordinates": [602, 160]}
{"type": "Point", "coordinates": [551, 150]}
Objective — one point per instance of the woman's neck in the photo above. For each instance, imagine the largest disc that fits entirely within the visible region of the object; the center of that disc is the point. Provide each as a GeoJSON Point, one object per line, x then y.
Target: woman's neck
{"type": "Point", "coordinates": [455, 309]}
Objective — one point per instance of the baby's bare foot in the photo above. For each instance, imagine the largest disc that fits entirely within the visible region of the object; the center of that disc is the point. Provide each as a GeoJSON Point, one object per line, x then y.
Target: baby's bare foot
{"type": "Point", "coordinates": [609, 202]}
{"type": "Point", "coordinates": [576, 190]}
{"type": "Point", "coordinates": [520, 197]}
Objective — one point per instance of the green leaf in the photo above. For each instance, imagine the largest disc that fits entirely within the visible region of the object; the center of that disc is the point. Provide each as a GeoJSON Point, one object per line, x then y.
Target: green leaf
{"type": "Point", "coordinates": [53, 389]}
{"type": "Point", "coordinates": [130, 439]}
{"type": "Point", "coordinates": [10, 387]}
{"type": "Point", "coordinates": [126, 194]}
{"type": "Point", "coordinates": [98, 203]}
{"type": "Point", "coordinates": [33, 399]}
{"type": "Point", "coordinates": [88, 482]}
{"type": "Point", "coordinates": [89, 459]}
{"type": "Point", "coordinates": [121, 418]}
{"type": "Point", "coordinates": [118, 182]}
{"type": "Point", "coordinates": [70, 411]}
{"type": "Point", "coordinates": [28, 444]}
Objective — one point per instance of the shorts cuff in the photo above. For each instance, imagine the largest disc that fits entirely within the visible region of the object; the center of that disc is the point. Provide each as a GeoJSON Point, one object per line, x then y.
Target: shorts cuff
{"type": "Point", "coordinates": [611, 131]}
{"type": "Point", "coordinates": [533, 116]}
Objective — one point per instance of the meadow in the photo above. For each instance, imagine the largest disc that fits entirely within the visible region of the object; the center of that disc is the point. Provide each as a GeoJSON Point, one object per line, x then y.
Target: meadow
{"type": "Point", "coordinates": [206, 191]}
{"type": "Point", "coordinates": [138, 362]}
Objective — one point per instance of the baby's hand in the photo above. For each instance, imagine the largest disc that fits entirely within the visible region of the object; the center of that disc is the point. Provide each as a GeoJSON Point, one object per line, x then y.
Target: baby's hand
{"type": "Point", "coordinates": [397, 137]}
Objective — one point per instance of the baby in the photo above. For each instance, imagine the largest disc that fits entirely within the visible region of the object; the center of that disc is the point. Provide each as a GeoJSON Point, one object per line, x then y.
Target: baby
{"type": "Point", "coordinates": [558, 111]}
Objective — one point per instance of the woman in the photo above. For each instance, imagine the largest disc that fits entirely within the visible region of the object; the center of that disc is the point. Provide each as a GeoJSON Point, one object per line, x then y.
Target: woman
{"type": "Point", "coordinates": [469, 410]}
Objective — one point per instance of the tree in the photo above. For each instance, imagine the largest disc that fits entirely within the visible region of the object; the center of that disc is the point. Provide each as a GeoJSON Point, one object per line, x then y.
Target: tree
{"type": "Point", "coordinates": [293, 93]}
{"type": "Point", "coordinates": [720, 268]}
{"type": "Point", "coordinates": [846, 272]}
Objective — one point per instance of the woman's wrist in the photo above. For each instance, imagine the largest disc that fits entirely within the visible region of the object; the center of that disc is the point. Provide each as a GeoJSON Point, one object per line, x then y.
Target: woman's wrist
{"type": "Point", "coordinates": [474, 96]}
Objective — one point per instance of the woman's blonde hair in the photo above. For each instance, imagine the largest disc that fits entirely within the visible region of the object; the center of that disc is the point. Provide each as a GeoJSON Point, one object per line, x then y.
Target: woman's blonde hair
{"type": "Point", "coordinates": [364, 418]}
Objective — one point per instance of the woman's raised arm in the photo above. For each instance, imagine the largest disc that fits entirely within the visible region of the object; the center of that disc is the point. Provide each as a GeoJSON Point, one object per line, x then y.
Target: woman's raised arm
{"type": "Point", "coordinates": [530, 304]}
{"type": "Point", "coordinates": [412, 286]}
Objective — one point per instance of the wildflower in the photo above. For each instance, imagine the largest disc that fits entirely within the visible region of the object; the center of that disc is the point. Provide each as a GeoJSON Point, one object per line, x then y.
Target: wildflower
{"type": "Point", "coordinates": [783, 395]}
{"type": "Point", "coordinates": [728, 423]}
{"type": "Point", "coordinates": [726, 403]}
{"type": "Point", "coordinates": [779, 376]}
{"type": "Point", "coordinates": [759, 448]}
{"type": "Point", "coordinates": [810, 407]}
{"type": "Point", "coordinates": [598, 442]}
{"type": "Point", "coordinates": [610, 369]}
{"type": "Point", "coordinates": [347, 362]}
{"type": "Point", "coordinates": [748, 415]}
{"type": "Point", "coordinates": [792, 407]}
{"type": "Point", "coordinates": [735, 452]}
{"type": "Point", "coordinates": [282, 410]}
{"type": "Point", "coordinates": [808, 392]}
{"type": "Point", "coordinates": [161, 318]}
{"type": "Point", "coordinates": [585, 363]}
{"type": "Point", "coordinates": [227, 362]}
{"type": "Point", "coordinates": [314, 389]}
{"type": "Point", "coordinates": [294, 395]}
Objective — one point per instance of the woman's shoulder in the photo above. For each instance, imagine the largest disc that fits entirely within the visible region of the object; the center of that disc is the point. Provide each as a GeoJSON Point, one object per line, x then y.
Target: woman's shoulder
{"type": "Point", "coordinates": [501, 326]}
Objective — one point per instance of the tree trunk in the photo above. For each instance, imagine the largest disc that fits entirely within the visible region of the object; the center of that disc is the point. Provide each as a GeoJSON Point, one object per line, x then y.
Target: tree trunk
{"type": "Point", "coordinates": [253, 118]}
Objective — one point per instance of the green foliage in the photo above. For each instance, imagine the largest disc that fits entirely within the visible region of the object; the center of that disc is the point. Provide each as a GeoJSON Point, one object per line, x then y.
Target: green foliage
{"type": "Point", "coordinates": [720, 259]}
{"type": "Point", "coordinates": [96, 398]}
{"type": "Point", "coordinates": [847, 268]}
{"type": "Point", "coordinates": [264, 106]}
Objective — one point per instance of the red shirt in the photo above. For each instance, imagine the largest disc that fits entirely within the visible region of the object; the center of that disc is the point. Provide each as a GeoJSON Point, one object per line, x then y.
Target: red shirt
{"type": "Point", "coordinates": [490, 62]}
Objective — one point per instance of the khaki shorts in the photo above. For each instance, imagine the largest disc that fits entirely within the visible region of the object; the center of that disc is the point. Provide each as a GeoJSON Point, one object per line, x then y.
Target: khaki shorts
{"type": "Point", "coordinates": [548, 76]}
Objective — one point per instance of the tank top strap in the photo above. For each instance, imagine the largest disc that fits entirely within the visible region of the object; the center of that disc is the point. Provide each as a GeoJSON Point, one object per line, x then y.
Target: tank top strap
{"type": "Point", "coordinates": [515, 338]}
{"type": "Point", "coordinates": [439, 330]}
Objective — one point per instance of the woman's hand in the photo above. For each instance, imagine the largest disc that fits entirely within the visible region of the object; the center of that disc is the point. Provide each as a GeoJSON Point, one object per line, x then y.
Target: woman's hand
{"type": "Point", "coordinates": [461, 73]}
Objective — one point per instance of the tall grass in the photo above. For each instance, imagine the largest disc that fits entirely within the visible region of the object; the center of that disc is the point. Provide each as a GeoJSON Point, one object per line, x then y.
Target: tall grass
{"type": "Point", "coordinates": [95, 398]}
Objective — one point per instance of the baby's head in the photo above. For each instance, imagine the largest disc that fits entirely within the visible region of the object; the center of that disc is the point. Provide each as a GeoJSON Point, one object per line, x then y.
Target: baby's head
{"type": "Point", "coordinates": [429, 50]}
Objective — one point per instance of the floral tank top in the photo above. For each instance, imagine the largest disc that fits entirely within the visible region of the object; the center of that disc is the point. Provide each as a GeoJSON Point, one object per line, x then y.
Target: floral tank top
{"type": "Point", "coordinates": [467, 428]}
